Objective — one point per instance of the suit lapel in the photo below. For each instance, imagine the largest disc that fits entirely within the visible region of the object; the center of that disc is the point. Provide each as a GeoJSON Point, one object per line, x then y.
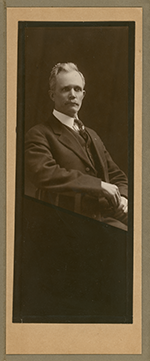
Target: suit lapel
{"type": "Point", "coordinates": [67, 138]}
{"type": "Point", "coordinates": [99, 151]}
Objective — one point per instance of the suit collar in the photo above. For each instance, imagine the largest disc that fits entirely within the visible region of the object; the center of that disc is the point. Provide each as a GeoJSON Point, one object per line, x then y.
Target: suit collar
{"type": "Point", "coordinates": [55, 124]}
{"type": "Point", "coordinates": [67, 138]}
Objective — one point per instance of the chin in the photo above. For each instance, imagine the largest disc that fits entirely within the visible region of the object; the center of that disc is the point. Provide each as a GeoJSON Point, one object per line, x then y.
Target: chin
{"type": "Point", "coordinates": [72, 114]}
{"type": "Point", "coordinates": [73, 110]}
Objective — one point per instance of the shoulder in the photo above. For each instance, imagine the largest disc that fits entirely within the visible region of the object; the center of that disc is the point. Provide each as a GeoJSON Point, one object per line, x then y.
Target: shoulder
{"type": "Point", "coordinates": [41, 128]}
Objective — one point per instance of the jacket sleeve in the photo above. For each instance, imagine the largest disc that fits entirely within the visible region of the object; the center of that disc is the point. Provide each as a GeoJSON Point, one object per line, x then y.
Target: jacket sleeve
{"type": "Point", "coordinates": [44, 172]}
{"type": "Point", "coordinates": [116, 175]}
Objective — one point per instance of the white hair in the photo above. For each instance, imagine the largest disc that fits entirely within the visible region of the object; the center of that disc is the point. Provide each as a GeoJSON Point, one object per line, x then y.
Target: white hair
{"type": "Point", "coordinates": [66, 67]}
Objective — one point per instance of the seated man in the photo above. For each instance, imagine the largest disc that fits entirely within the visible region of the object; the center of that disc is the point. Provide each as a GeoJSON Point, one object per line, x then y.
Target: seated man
{"type": "Point", "coordinates": [68, 163]}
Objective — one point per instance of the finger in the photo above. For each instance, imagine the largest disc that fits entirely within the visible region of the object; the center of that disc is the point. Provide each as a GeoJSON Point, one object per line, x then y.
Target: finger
{"type": "Point", "coordinates": [126, 209]}
{"type": "Point", "coordinates": [123, 206]}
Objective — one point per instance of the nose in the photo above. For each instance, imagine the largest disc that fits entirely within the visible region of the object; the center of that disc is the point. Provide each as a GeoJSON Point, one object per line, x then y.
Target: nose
{"type": "Point", "coordinates": [72, 93]}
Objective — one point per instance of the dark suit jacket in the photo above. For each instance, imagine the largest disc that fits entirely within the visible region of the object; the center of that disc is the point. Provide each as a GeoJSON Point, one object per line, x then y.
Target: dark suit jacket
{"type": "Point", "coordinates": [62, 173]}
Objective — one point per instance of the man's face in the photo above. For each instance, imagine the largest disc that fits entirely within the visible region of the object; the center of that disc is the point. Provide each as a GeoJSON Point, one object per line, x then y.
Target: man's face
{"type": "Point", "coordinates": [68, 93]}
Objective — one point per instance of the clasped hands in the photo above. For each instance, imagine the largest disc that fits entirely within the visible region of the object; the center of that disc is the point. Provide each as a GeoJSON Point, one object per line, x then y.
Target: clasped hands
{"type": "Point", "coordinates": [112, 194]}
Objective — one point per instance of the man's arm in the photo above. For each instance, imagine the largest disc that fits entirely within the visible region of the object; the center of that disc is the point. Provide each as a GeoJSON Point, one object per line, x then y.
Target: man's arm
{"type": "Point", "coordinates": [46, 174]}
{"type": "Point", "coordinates": [116, 175]}
{"type": "Point", "coordinates": [118, 179]}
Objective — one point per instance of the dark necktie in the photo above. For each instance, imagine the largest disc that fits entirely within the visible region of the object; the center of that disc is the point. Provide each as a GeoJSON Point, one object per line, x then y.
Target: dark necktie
{"type": "Point", "coordinates": [79, 126]}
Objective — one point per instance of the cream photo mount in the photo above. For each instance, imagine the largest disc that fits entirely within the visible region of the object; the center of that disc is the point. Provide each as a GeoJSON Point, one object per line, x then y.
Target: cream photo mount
{"type": "Point", "coordinates": [72, 338]}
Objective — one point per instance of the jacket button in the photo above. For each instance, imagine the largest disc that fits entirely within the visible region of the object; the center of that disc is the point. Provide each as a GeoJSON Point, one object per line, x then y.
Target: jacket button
{"type": "Point", "coordinates": [87, 169]}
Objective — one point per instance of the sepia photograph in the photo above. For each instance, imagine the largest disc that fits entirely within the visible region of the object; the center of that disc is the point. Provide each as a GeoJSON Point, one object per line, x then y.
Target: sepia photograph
{"type": "Point", "coordinates": [74, 181]}
{"type": "Point", "coordinates": [73, 257]}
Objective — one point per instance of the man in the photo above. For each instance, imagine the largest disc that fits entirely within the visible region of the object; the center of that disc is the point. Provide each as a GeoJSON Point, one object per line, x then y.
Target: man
{"type": "Point", "coordinates": [68, 163]}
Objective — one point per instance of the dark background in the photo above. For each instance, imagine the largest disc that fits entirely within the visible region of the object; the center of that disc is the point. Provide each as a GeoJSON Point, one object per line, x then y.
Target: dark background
{"type": "Point", "coordinates": [70, 268]}
{"type": "Point", "coordinates": [101, 53]}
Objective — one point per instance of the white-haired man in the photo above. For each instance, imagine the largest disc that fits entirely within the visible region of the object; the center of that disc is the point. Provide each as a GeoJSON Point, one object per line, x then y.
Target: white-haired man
{"type": "Point", "coordinates": [68, 163]}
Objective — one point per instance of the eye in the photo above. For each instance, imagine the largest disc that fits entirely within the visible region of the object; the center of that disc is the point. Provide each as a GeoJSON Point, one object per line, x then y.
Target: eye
{"type": "Point", "coordinates": [77, 89]}
{"type": "Point", "coordinates": [65, 89]}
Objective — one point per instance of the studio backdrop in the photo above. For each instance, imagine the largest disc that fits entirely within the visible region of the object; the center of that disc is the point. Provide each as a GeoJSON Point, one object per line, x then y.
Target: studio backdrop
{"type": "Point", "coordinates": [69, 268]}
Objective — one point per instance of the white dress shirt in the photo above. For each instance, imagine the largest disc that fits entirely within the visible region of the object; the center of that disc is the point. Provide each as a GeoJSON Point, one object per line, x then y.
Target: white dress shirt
{"type": "Point", "coordinates": [64, 119]}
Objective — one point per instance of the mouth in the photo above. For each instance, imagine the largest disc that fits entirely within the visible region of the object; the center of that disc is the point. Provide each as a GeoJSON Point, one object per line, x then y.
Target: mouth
{"type": "Point", "coordinates": [72, 103]}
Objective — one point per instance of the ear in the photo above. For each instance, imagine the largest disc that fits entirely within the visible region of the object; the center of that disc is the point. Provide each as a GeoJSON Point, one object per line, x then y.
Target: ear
{"type": "Point", "coordinates": [51, 94]}
{"type": "Point", "coordinates": [84, 93]}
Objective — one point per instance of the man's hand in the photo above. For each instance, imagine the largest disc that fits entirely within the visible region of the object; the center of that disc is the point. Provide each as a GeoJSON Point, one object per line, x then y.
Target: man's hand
{"type": "Point", "coordinates": [121, 213]}
{"type": "Point", "coordinates": [124, 204]}
{"type": "Point", "coordinates": [112, 194]}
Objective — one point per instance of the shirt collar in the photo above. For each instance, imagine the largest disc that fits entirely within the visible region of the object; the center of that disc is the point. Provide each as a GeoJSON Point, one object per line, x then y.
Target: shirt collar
{"type": "Point", "coordinates": [63, 118]}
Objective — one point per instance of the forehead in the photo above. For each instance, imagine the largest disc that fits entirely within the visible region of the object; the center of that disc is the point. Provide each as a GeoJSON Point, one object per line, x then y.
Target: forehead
{"type": "Point", "coordinates": [69, 78]}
